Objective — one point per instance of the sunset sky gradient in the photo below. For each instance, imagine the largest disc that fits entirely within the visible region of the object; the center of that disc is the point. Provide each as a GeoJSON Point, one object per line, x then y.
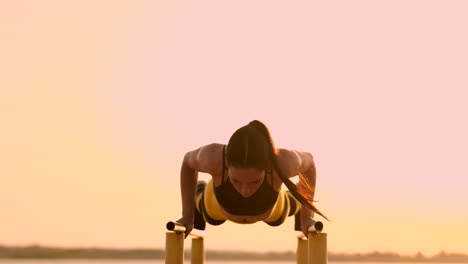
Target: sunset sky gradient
{"type": "Point", "coordinates": [100, 100]}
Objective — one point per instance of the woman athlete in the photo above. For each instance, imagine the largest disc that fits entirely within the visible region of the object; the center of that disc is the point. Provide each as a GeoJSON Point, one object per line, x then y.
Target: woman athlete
{"type": "Point", "coordinates": [247, 174]}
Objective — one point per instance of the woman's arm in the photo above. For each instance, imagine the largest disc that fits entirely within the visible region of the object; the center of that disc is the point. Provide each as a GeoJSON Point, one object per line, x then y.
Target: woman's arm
{"type": "Point", "coordinates": [307, 171]}
{"type": "Point", "coordinates": [302, 163]}
{"type": "Point", "coordinates": [199, 160]}
{"type": "Point", "coordinates": [188, 184]}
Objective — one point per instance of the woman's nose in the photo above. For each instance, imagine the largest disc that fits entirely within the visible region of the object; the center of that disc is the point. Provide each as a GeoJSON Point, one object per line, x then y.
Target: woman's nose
{"type": "Point", "coordinates": [245, 191]}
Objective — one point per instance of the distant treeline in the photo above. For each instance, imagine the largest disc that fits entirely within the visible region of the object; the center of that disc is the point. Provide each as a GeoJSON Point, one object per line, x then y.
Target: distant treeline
{"type": "Point", "coordinates": [38, 252]}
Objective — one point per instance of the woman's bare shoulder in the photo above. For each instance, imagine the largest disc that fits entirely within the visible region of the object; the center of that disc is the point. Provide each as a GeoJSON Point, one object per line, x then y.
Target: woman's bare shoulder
{"type": "Point", "coordinates": [292, 161]}
{"type": "Point", "coordinates": [207, 158]}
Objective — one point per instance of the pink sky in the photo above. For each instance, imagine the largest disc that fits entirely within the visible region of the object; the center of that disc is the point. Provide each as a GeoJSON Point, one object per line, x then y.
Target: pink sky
{"type": "Point", "coordinates": [100, 101]}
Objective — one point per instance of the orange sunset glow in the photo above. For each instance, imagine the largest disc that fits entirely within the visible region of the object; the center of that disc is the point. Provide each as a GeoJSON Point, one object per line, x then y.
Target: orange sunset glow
{"type": "Point", "coordinates": [100, 101]}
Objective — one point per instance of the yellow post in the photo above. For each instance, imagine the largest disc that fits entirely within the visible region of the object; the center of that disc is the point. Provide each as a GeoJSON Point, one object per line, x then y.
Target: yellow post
{"type": "Point", "coordinates": [318, 248]}
{"type": "Point", "coordinates": [302, 253]}
{"type": "Point", "coordinates": [198, 250]}
{"type": "Point", "coordinates": [174, 248]}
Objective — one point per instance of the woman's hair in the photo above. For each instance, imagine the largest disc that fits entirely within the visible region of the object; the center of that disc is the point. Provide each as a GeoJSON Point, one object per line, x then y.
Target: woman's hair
{"type": "Point", "coordinates": [251, 146]}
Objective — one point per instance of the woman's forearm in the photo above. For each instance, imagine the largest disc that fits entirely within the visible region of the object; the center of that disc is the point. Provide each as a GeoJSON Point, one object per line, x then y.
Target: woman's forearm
{"type": "Point", "coordinates": [306, 213]}
{"type": "Point", "coordinates": [188, 185]}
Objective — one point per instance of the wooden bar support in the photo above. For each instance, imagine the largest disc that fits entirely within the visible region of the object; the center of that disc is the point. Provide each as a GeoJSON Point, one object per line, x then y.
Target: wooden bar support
{"type": "Point", "coordinates": [174, 248]}
{"type": "Point", "coordinates": [318, 248]}
{"type": "Point", "coordinates": [198, 250]}
{"type": "Point", "coordinates": [302, 250]}
{"type": "Point", "coordinates": [309, 251]}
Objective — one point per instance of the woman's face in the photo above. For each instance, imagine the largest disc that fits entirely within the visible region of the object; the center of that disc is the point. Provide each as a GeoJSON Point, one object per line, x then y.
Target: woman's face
{"type": "Point", "coordinates": [246, 181]}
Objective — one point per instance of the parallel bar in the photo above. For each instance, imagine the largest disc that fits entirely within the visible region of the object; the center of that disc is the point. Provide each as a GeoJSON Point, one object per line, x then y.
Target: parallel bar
{"type": "Point", "coordinates": [174, 248]}
{"type": "Point", "coordinates": [180, 228]}
{"type": "Point", "coordinates": [309, 251]}
{"type": "Point", "coordinates": [175, 226]}
{"type": "Point", "coordinates": [317, 227]}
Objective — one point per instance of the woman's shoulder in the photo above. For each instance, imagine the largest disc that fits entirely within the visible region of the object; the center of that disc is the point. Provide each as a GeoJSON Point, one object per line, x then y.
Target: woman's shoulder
{"type": "Point", "coordinates": [290, 161]}
{"type": "Point", "coordinates": [207, 158]}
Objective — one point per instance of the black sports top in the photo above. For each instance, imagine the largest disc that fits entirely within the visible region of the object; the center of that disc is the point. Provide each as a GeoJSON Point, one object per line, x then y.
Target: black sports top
{"type": "Point", "coordinates": [234, 203]}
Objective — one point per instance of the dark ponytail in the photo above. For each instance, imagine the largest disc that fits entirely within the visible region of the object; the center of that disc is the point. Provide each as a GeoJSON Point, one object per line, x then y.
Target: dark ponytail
{"type": "Point", "coordinates": [305, 192]}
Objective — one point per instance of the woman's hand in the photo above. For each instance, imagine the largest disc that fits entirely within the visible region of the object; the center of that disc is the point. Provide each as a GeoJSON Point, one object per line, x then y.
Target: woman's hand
{"type": "Point", "coordinates": [188, 223]}
{"type": "Point", "coordinates": [306, 221]}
